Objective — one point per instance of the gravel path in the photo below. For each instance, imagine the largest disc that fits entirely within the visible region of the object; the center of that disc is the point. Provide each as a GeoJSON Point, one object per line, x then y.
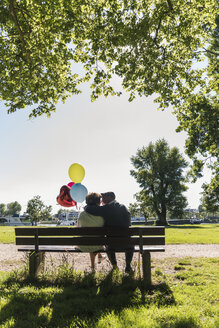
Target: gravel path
{"type": "Point", "coordinates": [11, 259]}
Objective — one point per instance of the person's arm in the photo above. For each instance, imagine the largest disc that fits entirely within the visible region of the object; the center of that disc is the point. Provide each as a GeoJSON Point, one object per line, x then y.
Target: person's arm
{"type": "Point", "coordinates": [95, 210]}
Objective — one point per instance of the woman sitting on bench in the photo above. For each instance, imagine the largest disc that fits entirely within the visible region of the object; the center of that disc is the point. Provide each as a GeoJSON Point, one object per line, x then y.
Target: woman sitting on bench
{"type": "Point", "coordinates": [89, 220]}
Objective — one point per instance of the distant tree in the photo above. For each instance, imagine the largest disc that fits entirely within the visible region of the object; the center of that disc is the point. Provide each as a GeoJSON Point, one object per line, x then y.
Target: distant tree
{"type": "Point", "coordinates": [177, 210]}
{"type": "Point", "coordinates": [2, 209]}
{"type": "Point", "coordinates": [13, 208]}
{"type": "Point", "coordinates": [139, 208]}
{"type": "Point", "coordinates": [210, 196]}
{"type": "Point", "coordinates": [47, 213]}
{"type": "Point", "coordinates": [134, 209]}
{"type": "Point", "coordinates": [37, 210]}
{"type": "Point", "coordinates": [200, 209]}
{"type": "Point", "coordinates": [159, 172]}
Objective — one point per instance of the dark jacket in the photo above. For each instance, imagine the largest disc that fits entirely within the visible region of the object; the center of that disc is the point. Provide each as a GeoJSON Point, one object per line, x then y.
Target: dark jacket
{"type": "Point", "coordinates": [114, 214]}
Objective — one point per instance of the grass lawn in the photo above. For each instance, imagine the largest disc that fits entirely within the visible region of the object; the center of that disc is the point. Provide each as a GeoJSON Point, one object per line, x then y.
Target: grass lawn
{"type": "Point", "coordinates": [184, 295]}
{"type": "Point", "coordinates": [7, 235]}
{"type": "Point", "coordinates": [185, 234]}
{"type": "Point", "coordinates": [193, 234]}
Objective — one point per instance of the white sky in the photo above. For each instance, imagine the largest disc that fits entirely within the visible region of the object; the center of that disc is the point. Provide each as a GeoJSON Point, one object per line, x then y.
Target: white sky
{"type": "Point", "coordinates": [101, 136]}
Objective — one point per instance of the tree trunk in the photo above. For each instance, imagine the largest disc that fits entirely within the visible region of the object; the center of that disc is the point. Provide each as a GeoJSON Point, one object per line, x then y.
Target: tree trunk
{"type": "Point", "coordinates": [145, 218]}
{"type": "Point", "coordinates": [161, 220]}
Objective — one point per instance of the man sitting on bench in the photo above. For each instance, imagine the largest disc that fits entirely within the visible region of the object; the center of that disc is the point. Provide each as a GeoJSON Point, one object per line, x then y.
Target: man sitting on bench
{"type": "Point", "coordinates": [115, 215]}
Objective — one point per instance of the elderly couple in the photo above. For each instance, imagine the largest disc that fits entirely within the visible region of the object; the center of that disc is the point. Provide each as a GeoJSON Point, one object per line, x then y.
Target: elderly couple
{"type": "Point", "coordinates": [111, 214]}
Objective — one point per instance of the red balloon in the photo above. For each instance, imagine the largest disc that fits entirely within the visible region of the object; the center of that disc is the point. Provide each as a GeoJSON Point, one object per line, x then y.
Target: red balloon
{"type": "Point", "coordinates": [64, 197]}
{"type": "Point", "coordinates": [66, 203]}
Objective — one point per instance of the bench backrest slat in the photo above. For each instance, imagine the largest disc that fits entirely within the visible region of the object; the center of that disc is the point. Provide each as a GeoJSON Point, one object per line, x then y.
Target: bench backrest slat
{"type": "Point", "coordinates": [74, 241]}
{"type": "Point", "coordinates": [71, 236]}
{"type": "Point", "coordinates": [71, 231]}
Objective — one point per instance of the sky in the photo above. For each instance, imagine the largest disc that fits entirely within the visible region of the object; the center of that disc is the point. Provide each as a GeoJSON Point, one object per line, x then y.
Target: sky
{"type": "Point", "coordinates": [101, 136]}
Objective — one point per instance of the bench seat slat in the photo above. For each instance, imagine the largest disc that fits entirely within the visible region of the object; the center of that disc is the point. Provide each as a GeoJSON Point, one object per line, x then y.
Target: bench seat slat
{"type": "Point", "coordinates": [118, 241]}
{"type": "Point", "coordinates": [73, 249]}
{"type": "Point", "coordinates": [73, 231]}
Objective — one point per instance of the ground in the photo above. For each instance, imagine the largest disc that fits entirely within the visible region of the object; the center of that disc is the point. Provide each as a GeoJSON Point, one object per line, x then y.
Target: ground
{"type": "Point", "coordinates": [11, 259]}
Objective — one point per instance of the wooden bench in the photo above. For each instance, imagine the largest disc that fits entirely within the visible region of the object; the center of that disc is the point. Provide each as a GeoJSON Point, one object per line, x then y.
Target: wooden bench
{"type": "Point", "coordinates": [36, 241]}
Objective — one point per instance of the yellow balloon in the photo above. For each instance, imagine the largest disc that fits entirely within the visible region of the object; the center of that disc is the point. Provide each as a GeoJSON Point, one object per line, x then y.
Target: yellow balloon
{"type": "Point", "coordinates": [76, 172]}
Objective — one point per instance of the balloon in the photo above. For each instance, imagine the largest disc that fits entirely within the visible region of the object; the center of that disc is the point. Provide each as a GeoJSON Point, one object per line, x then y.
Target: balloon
{"type": "Point", "coordinates": [78, 192]}
{"type": "Point", "coordinates": [70, 184]}
{"type": "Point", "coordinates": [76, 172]}
{"type": "Point", "coordinates": [65, 203]}
{"type": "Point", "coordinates": [64, 197]}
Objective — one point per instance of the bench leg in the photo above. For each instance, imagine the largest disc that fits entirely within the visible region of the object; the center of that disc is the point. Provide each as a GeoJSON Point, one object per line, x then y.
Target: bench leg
{"type": "Point", "coordinates": [146, 268]}
{"type": "Point", "coordinates": [139, 263]}
{"type": "Point", "coordinates": [36, 262]}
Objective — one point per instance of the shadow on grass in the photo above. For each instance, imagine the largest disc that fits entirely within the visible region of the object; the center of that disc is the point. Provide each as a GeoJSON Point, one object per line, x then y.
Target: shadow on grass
{"type": "Point", "coordinates": [184, 227]}
{"type": "Point", "coordinates": [76, 302]}
{"type": "Point", "coordinates": [181, 323]}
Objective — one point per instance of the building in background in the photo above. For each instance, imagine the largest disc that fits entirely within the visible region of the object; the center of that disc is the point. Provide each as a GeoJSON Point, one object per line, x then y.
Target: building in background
{"type": "Point", "coordinates": [68, 219]}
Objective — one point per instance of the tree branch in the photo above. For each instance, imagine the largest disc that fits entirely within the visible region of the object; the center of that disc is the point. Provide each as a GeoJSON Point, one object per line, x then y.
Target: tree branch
{"type": "Point", "coordinates": [15, 19]}
{"type": "Point", "coordinates": [22, 11]}
{"type": "Point", "coordinates": [211, 52]}
{"type": "Point", "coordinates": [160, 20]}
{"type": "Point", "coordinates": [170, 4]}
{"type": "Point", "coordinates": [157, 30]}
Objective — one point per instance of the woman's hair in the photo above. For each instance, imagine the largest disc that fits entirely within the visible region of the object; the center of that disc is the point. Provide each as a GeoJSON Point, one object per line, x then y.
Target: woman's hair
{"type": "Point", "coordinates": [93, 198]}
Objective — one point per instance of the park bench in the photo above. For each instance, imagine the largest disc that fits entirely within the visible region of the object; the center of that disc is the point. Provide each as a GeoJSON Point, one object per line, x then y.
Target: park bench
{"type": "Point", "coordinates": [38, 240]}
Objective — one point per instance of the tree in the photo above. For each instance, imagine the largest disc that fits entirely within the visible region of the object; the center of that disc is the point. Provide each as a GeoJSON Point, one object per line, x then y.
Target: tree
{"type": "Point", "coordinates": [46, 213]}
{"type": "Point", "coordinates": [2, 209]}
{"type": "Point", "coordinates": [134, 209]}
{"type": "Point", "coordinates": [151, 45]}
{"type": "Point", "coordinates": [13, 208]}
{"type": "Point", "coordinates": [37, 210]}
{"type": "Point", "coordinates": [165, 48]}
{"type": "Point", "coordinates": [210, 196]}
{"type": "Point", "coordinates": [159, 172]}
{"type": "Point", "coordinates": [139, 208]}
